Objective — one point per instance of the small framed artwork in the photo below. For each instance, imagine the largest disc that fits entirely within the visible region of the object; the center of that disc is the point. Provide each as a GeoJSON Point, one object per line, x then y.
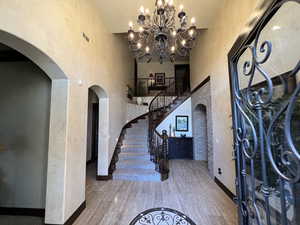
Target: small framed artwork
{"type": "Point", "coordinates": [160, 79]}
{"type": "Point", "coordinates": [182, 123]}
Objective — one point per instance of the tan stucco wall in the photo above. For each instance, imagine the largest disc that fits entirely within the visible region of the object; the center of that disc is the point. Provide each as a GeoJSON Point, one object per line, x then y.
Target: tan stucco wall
{"type": "Point", "coordinates": [209, 58]}
{"type": "Point", "coordinates": [55, 27]}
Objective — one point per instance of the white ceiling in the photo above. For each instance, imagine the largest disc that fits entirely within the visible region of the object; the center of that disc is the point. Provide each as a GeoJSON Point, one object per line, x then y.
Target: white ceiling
{"type": "Point", "coordinates": [117, 13]}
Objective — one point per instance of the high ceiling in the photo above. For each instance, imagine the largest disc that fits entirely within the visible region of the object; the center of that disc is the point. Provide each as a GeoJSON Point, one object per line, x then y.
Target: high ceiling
{"type": "Point", "coordinates": [117, 13]}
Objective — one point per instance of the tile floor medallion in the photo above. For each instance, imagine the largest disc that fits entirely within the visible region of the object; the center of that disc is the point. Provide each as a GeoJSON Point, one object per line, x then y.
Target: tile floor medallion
{"type": "Point", "coordinates": [162, 216]}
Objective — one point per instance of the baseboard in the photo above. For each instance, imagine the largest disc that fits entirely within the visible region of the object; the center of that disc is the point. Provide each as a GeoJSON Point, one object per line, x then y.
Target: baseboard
{"type": "Point", "coordinates": [108, 177]}
{"type": "Point", "coordinates": [11, 211]}
{"type": "Point", "coordinates": [74, 216]}
{"type": "Point", "coordinates": [225, 189]}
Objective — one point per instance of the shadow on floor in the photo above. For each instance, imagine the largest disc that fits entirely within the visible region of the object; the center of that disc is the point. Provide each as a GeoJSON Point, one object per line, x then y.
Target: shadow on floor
{"type": "Point", "coordinates": [21, 220]}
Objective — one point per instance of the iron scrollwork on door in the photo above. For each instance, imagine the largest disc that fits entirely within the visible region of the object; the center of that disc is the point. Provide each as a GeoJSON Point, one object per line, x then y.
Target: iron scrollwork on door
{"type": "Point", "coordinates": [265, 81]}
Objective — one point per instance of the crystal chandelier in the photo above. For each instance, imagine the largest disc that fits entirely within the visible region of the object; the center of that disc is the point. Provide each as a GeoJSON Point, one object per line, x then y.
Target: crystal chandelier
{"type": "Point", "coordinates": [158, 37]}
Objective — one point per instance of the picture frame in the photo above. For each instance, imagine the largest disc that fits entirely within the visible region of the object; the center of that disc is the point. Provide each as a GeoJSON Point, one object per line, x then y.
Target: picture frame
{"type": "Point", "coordinates": [160, 79]}
{"type": "Point", "coordinates": [182, 123]}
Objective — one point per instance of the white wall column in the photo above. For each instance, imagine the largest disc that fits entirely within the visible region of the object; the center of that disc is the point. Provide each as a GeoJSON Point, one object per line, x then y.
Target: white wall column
{"type": "Point", "coordinates": [103, 147]}
{"type": "Point", "coordinates": [56, 178]}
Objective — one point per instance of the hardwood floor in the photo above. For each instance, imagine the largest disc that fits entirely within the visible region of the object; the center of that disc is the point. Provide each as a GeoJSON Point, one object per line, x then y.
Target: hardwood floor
{"type": "Point", "coordinates": [189, 190]}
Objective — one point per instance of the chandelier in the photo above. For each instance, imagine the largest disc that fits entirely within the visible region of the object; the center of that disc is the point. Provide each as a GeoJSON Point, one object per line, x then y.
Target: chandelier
{"type": "Point", "coordinates": [158, 36]}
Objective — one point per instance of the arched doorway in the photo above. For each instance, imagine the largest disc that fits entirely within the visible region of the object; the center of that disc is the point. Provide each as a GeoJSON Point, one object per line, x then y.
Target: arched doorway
{"type": "Point", "coordinates": [25, 93]}
{"type": "Point", "coordinates": [98, 131]}
{"type": "Point", "coordinates": [52, 202]}
{"type": "Point", "coordinates": [200, 133]}
{"type": "Point", "coordinates": [92, 127]}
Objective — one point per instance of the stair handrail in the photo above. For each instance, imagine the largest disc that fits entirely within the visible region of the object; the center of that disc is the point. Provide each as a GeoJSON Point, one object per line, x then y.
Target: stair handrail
{"type": "Point", "coordinates": [158, 143]}
{"type": "Point", "coordinates": [162, 93]}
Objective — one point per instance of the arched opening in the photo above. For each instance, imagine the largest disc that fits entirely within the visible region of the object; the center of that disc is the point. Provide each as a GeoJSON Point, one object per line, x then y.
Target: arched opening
{"type": "Point", "coordinates": [201, 133]}
{"type": "Point", "coordinates": [92, 127]}
{"type": "Point", "coordinates": [33, 102]}
{"type": "Point", "coordinates": [25, 93]}
{"type": "Point", "coordinates": [97, 156]}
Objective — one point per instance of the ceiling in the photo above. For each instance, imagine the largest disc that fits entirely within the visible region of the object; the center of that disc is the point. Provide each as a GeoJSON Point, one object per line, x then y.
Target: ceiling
{"type": "Point", "coordinates": [117, 13]}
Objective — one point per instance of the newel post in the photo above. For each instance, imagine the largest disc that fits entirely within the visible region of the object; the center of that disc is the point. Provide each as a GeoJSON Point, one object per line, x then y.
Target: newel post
{"type": "Point", "coordinates": [164, 167]}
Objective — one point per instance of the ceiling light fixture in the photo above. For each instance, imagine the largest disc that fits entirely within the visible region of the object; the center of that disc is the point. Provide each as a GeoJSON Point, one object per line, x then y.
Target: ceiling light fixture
{"type": "Point", "coordinates": [160, 35]}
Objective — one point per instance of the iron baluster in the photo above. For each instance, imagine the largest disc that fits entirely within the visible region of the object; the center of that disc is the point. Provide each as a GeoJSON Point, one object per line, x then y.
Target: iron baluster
{"type": "Point", "coordinates": [165, 153]}
{"type": "Point", "coordinates": [283, 203]}
{"type": "Point", "coordinates": [265, 187]}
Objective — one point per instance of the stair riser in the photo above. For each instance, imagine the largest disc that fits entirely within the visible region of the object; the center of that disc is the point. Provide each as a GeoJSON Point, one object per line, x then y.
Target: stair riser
{"type": "Point", "coordinates": [136, 136]}
{"type": "Point", "coordinates": [135, 145]}
{"type": "Point", "coordinates": [134, 142]}
{"type": "Point", "coordinates": [142, 126]}
{"type": "Point", "coordinates": [132, 145]}
{"type": "Point", "coordinates": [132, 177]}
{"type": "Point", "coordinates": [137, 128]}
{"type": "Point", "coordinates": [133, 157]}
{"type": "Point", "coordinates": [121, 165]}
{"type": "Point", "coordinates": [137, 133]}
{"type": "Point", "coordinates": [134, 150]}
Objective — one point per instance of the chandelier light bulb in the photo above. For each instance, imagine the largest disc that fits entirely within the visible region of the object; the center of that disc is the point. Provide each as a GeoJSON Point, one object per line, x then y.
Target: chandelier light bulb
{"type": "Point", "coordinates": [147, 11]}
{"type": "Point", "coordinates": [183, 42]}
{"type": "Point", "coordinates": [130, 24]}
{"type": "Point", "coordinates": [173, 49]}
{"type": "Point", "coordinates": [131, 35]}
{"type": "Point", "coordinates": [147, 49]}
{"type": "Point", "coordinates": [141, 29]}
{"type": "Point", "coordinates": [159, 3]}
{"type": "Point", "coordinates": [139, 45]}
{"type": "Point", "coordinates": [191, 32]}
{"type": "Point", "coordinates": [181, 7]}
{"type": "Point", "coordinates": [193, 21]}
{"type": "Point", "coordinates": [170, 3]}
{"type": "Point", "coordinates": [174, 33]}
{"type": "Point", "coordinates": [142, 10]}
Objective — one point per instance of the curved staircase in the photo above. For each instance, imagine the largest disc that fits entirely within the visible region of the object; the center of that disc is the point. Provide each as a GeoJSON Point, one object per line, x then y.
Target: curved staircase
{"type": "Point", "coordinates": [134, 159]}
{"type": "Point", "coordinates": [142, 154]}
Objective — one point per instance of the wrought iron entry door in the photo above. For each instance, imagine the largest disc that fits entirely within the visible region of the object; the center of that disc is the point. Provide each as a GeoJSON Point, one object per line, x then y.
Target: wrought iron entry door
{"type": "Point", "coordinates": [265, 86]}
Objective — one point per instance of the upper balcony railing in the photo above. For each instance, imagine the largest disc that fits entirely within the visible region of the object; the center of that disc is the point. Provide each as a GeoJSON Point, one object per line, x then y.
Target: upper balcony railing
{"type": "Point", "coordinates": [150, 87]}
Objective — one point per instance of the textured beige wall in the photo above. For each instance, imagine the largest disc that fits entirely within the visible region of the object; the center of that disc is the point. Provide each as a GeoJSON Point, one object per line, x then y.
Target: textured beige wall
{"type": "Point", "coordinates": [209, 58]}
{"type": "Point", "coordinates": [55, 27]}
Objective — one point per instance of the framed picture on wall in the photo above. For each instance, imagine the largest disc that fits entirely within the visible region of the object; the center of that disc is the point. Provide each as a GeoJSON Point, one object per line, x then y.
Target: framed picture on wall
{"type": "Point", "coordinates": [160, 79]}
{"type": "Point", "coordinates": [182, 123]}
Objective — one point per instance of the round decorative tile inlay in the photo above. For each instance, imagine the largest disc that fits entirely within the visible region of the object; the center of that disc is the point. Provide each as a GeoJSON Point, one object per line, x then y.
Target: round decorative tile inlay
{"type": "Point", "coordinates": [162, 216]}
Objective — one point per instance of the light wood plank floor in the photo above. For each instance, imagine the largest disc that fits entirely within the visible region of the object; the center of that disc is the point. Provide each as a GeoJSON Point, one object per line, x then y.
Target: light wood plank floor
{"type": "Point", "coordinates": [189, 190]}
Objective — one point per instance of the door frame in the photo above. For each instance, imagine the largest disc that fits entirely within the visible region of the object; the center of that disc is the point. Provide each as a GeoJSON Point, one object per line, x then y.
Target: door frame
{"type": "Point", "coordinates": [95, 131]}
{"type": "Point", "coordinates": [188, 78]}
{"type": "Point", "coordinates": [262, 16]}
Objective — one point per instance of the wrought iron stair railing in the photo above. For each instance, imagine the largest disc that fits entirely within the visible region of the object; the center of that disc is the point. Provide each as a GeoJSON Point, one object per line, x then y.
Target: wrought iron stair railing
{"type": "Point", "coordinates": [160, 107]}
